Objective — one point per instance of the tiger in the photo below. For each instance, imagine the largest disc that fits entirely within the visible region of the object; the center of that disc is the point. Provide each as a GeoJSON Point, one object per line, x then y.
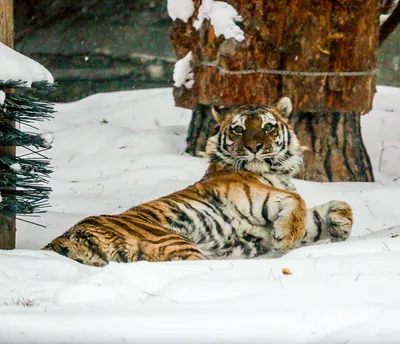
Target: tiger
{"type": "Point", "coordinates": [245, 206]}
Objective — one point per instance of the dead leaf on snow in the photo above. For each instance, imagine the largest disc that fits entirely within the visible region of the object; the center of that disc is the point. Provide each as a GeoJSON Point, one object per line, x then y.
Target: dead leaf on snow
{"type": "Point", "coordinates": [286, 271]}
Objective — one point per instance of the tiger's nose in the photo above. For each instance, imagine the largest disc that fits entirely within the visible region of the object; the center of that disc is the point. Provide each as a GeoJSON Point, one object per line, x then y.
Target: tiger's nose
{"type": "Point", "coordinates": [254, 147]}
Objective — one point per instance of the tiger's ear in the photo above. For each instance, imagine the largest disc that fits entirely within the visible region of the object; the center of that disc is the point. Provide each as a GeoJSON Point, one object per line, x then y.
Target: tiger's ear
{"type": "Point", "coordinates": [284, 106]}
{"type": "Point", "coordinates": [216, 114]}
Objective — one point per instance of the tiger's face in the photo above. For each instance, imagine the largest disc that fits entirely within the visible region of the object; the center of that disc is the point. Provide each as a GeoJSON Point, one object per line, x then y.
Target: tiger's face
{"type": "Point", "coordinates": [255, 138]}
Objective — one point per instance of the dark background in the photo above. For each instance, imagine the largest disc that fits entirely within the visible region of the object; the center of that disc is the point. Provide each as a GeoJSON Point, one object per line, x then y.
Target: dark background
{"type": "Point", "coordinates": [93, 46]}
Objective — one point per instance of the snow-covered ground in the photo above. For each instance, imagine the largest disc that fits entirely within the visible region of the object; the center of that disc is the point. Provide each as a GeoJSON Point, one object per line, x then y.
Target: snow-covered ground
{"type": "Point", "coordinates": [114, 150]}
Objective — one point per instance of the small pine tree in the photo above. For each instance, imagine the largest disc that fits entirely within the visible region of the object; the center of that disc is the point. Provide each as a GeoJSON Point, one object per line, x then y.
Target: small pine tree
{"type": "Point", "coordinates": [24, 177]}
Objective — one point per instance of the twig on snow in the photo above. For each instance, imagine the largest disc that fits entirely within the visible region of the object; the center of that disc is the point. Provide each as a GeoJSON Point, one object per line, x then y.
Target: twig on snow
{"type": "Point", "coordinates": [381, 156]}
{"type": "Point", "coordinates": [386, 246]}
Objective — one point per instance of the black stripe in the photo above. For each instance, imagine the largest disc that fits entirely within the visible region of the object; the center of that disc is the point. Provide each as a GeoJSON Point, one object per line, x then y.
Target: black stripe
{"type": "Point", "coordinates": [216, 224]}
{"type": "Point", "coordinates": [92, 220]}
{"type": "Point", "coordinates": [101, 228]}
{"type": "Point", "coordinates": [247, 191]}
{"type": "Point", "coordinates": [264, 210]}
{"type": "Point", "coordinates": [151, 213]}
{"type": "Point", "coordinates": [327, 164]}
{"type": "Point", "coordinates": [289, 139]}
{"type": "Point", "coordinates": [194, 199]}
{"type": "Point", "coordinates": [185, 250]}
{"type": "Point", "coordinates": [200, 216]}
{"type": "Point", "coordinates": [281, 134]}
{"type": "Point", "coordinates": [318, 222]}
{"type": "Point", "coordinates": [175, 239]}
{"type": "Point", "coordinates": [180, 220]}
{"type": "Point", "coordinates": [268, 180]}
{"type": "Point", "coordinates": [216, 206]}
{"type": "Point", "coordinates": [242, 215]}
{"type": "Point", "coordinates": [127, 226]}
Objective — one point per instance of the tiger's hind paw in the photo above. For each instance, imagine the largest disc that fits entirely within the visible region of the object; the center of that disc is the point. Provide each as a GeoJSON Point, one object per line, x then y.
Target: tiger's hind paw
{"type": "Point", "coordinates": [339, 221]}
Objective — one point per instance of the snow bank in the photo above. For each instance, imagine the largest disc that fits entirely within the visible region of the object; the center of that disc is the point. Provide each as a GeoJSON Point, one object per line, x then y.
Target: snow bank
{"type": "Point", "coordinates": [15, 66]}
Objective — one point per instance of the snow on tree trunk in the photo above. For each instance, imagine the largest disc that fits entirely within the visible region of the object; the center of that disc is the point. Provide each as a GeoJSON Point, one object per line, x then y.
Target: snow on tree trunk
{"type": "Point", "coordinates": [329, 48]}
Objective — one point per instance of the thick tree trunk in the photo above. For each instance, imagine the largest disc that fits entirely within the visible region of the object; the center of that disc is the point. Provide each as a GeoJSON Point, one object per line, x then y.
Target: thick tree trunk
{"type": "Point", "coordinates": [320, 53]}
{"type": "Point", "coordinates": [336, 151]}
{"type": "Point", "coordinates": [7, 224]}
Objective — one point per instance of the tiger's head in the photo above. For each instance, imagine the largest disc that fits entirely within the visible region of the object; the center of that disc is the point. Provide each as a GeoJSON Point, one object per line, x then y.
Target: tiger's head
{"type": "Point", "coordinates": [255, 138]}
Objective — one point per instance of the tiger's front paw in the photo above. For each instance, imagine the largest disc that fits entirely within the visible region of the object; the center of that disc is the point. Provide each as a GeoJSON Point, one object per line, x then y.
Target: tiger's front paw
{"type": "Point", "coordinates": [281, 245]}
{"type": "Point", "coordinates": [339, 221]}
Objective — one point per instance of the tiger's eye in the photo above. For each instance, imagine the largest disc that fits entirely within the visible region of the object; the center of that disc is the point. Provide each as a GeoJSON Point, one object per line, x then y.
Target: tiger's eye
{"type": "Point", "coordinates": [268, 127]}
{"type": "Point", "coordinates": [238, 130]}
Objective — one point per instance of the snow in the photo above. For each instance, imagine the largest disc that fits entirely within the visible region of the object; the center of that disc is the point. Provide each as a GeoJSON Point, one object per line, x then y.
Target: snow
{"type": "Point", "coordinates": [180, 9]}
{"type": "Point", "coordinates": [16, 66]}
{"type": "Point", "coordinates": [223, 17]}
{"type": "Point", "coordinates": [183, 74]}
{"type": "Point", "coordinates": [48, 139]}
{"type": "Point", "coordinates": [115, 150]}
{"type": "Point", "coordinates": [16, 167]}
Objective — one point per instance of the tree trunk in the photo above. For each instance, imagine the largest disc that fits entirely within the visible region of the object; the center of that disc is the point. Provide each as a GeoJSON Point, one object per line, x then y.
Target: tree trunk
{"type": "Point", "coordinates": [320, 53]}
{"type": "Point", "coordinates": [7, 224]}
{"type": "Point", "coordinates": [336, 152]}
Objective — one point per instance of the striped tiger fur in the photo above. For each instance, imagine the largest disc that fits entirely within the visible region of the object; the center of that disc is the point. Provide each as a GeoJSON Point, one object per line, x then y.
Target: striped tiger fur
{"type": "Point", "coordinates": [245, 205]}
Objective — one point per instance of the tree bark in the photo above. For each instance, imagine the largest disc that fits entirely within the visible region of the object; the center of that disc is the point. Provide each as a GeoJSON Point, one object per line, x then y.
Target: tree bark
{"type": "Point", "coordinates": [7, 224]}
{"type": "Point", "coordinates": [336, 152]}
{"type": "Point", "coordinates": [291, 48]}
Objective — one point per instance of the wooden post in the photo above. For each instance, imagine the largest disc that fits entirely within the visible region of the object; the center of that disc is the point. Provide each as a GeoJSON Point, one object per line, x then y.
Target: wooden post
{"type": "Point", "coordinates": [7, 224]}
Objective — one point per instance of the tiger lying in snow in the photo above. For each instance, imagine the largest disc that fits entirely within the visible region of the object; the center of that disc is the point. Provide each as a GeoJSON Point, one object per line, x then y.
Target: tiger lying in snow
{"type": "Point", "coordinates": [244, 206]}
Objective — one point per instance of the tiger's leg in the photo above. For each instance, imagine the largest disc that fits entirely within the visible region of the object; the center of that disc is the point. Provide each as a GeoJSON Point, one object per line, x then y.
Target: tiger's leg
{"type": "Point", "coordinates": [287, 212]}
{"type": "Point", "coordinates": [332, 220]}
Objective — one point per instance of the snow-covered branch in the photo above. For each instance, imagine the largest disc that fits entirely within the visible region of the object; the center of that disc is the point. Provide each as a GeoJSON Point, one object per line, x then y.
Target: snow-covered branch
{"type": "Point", "coordinates": [18, 67]}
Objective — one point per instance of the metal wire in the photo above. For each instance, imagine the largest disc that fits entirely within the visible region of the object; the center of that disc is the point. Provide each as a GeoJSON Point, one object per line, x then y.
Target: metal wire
{"type": "Point", "coordinates": [282, 72]}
